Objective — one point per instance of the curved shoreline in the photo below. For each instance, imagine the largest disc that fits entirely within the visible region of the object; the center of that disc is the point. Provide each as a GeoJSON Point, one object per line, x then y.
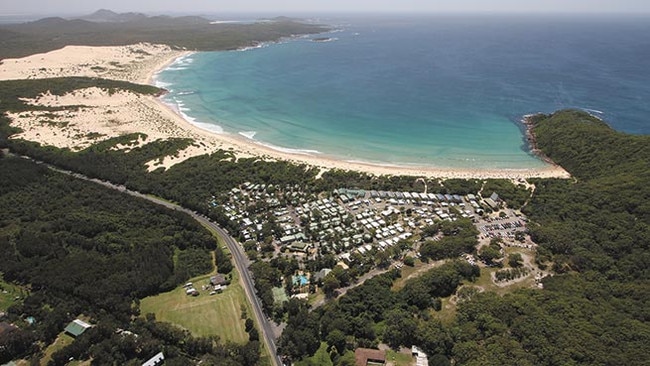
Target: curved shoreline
{"type": "Point", "coordinates": [245, 147]}
{"type": "Point", "coordinates": [122, 113]}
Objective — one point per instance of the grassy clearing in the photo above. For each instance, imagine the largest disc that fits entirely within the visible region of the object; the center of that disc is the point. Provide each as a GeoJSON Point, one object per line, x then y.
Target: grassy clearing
{"type": "Point", "coordinates": [399, 358]}
{"type": "Point", "coordinates": [244, 304]}
{"type": "Point", "coordinates": [279, 295]}
{"type": "Point", "coordinates": [203, 315]}
{"type": "Point", "coordinates": [485, 281]}
{"type": "Point", "coordinates": [316, 297]}
{"type": "Point", "coordinates": [406, 272]}
{"type": "Point", "coordinates": [206, 315]}
{"type": "Point", "coordinates": [61, 341]}
{"type": "Point", "coordinates": [448, 312]}
{"type": "Point", "coordinates": [449, 305]}
{"type": "Point", "coordinates": [321, 357]}
{"type": "Point", "coordinates": [9, 294]}
{"type": "Point", "coordinates": [411, 272]}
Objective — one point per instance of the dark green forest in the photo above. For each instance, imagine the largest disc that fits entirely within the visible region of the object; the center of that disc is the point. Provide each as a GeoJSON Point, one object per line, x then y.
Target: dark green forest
{"type": "Point", "coordinates": [192, 33]}
{"type": "Point", "coordinates": [78, 248]}
{"type": "Point", "coordinates": [593, 232]}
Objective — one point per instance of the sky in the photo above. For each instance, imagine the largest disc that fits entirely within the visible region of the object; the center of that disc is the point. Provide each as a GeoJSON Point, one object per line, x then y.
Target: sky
{"type": "Point", "coordinates": [54, 7]}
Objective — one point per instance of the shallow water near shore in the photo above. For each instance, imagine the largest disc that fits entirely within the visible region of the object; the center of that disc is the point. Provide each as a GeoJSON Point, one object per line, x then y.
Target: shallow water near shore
{"type": "Point", "coordinates": [424, 91]}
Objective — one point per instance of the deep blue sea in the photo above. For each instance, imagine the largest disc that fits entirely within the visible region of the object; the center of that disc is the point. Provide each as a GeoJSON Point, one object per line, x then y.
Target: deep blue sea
{"type": "Point", "coordinates": [445, 91]}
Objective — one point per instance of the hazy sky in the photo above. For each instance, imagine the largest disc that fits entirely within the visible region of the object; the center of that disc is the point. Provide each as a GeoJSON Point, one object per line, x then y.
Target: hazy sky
{"type": "Point", "coordinates": [10, 7]}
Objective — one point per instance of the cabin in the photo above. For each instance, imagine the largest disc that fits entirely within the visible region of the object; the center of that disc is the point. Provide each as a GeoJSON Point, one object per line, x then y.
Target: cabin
{"type": "Point", "coordinates": [76, 328]}
{"type": "Point", "coordinates": [369, 357]}
{"type": "Point", "coordinates": [218, 280]}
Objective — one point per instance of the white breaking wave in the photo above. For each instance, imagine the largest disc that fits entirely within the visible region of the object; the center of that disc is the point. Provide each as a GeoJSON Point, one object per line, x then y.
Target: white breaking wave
{"type": "Point", "coordinates": [178, 108]}
{"type": "Point", "coordinates": [593, 111]}
{"type": "Point", "coordinates": [180, 63]}
{"type": "Point", "coordinates": [161, 84]}
{"type": "Point", "coordinates": [249, 134]}
{"type": "Point", "coordinates": [288, 150]}
{"type": "Point", "coordinates": [378, 163]}
{"type": "Point", "coordinates": [208, 127]}
{"type": "Point", "coordinates": [249, 48]}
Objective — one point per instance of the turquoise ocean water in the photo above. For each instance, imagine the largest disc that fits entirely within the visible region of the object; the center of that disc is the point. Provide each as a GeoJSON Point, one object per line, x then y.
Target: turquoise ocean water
{"type": "Point", "coordinates": [428, 91]}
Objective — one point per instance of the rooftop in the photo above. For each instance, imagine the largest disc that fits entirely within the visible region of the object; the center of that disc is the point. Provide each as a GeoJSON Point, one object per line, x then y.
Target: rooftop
{"type": "Point", "coordinates": [363, 356]}
{"type": "Point", "coordinates": [76, 327]}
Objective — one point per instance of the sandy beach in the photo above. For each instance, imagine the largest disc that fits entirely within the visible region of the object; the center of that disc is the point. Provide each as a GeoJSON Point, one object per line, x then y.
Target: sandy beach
{"type": "Point", "coordinates": [104, 116]}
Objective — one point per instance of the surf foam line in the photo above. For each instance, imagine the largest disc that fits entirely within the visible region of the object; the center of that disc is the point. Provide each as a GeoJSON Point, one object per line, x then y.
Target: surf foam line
{"type": "Point", "coordinates": [178, 107]}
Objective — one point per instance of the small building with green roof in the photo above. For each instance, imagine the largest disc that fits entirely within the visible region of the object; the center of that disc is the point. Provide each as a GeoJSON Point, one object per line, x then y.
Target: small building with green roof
{"type": "Point", "coordinates": [76, 328]}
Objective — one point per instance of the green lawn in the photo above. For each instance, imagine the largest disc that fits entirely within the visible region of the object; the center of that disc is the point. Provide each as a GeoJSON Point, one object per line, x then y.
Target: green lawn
{"type": "Point", "coordinates": [203, 315]}
{"type": "Point", "coordinates": [399, 359]}
{"type": "Point", "coordinates": [218, 314]}
{"type": "Point", "coordinates": [316, 297]}
{"type": "Point", "coordinates": [8, 294]}
{"type": "Point", "coordinates": [279, 295]}
{"type": "Point", "coordinates": [61, 341]}
{"type": "Point", "coordinates": [448, 312]}
{"type": "Point", "coordinates": [408, 271]}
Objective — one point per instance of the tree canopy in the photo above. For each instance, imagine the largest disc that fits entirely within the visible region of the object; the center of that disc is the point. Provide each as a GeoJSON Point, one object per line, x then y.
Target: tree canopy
{"type": "Point", "coordinates": [84, 249]}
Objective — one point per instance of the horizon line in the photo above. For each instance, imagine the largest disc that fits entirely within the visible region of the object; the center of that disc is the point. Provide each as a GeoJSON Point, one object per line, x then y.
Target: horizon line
{"type": "Point", "coordinates": [332, 12]}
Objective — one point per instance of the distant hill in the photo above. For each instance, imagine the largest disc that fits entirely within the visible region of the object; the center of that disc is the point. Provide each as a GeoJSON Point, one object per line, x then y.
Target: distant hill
{"type": "Point", "coordinates": [107, 28]}
{"type": "Point", "coordinates": [285, 19]}
{"type": "Point", "coordinates": [108, 16]}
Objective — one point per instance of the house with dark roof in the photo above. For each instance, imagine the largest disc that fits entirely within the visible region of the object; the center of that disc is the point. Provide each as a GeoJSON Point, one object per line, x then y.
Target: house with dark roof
{"type": "Point", "coordinates": [218, 279]}
{"type": "Point", "coordinates": [369, 357]}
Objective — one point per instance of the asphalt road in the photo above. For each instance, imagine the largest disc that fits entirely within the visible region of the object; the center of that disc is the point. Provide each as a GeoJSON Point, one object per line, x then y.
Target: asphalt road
{"type": "Point", "coordinates": [238, 255]}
